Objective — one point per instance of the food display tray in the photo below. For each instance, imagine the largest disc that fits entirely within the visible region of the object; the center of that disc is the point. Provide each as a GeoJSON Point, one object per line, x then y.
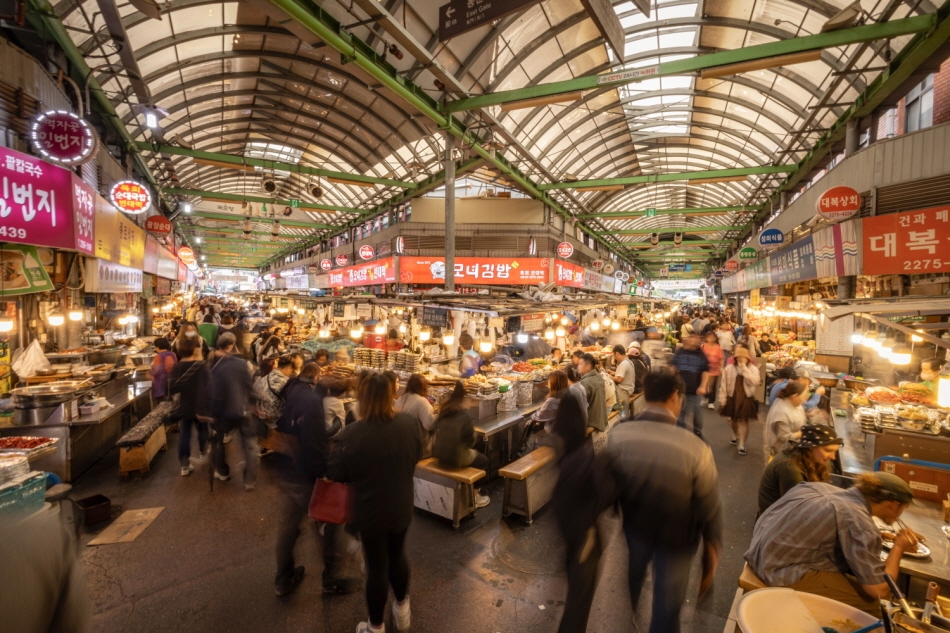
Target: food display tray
{"type": "Point", "coordinates": [30, 452]}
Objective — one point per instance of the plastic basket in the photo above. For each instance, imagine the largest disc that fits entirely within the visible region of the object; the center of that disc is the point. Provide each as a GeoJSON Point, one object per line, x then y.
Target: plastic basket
{"type": "Point", "coordinates": [26, 498]}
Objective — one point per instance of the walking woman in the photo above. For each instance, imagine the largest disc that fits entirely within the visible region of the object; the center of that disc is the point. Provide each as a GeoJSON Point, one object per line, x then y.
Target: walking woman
{"type": "Point", "coordinates": [378, 456]}
{"type": "Point", "coordinates": [190, 379]}
{"type": "Point", "coordinates": [455, 438]}
{"type": "Point", "coordinates": [737, 395]}
{"type": "Point", "coordinates": [189, 331]}
{"type": "Point", "coordinates": [786, 418]}
{"type": "Point", "coordinates": [714, 355]}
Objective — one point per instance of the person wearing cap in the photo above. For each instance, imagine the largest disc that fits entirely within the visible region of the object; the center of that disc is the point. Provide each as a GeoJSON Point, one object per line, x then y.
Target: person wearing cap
{"type": "Point", "coordinates": [806, 460]}
{"type": "Point", "coordinates": [736, 397]}
{"type": "Point", "coordinates": [822, 539]}
{"type": "Point", "coordinates": [803, 376]}
{"type": "Point", "coordinates": [641, 363]}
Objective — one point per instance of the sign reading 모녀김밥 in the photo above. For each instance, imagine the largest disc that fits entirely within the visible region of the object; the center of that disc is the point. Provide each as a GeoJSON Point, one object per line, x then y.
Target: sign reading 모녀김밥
{"type": "Point", "coordinates": [499, 271]}
{"type": "Point", "coordinates": [21, 271]}
{"type": "Point", "coordinates": [907, 243]}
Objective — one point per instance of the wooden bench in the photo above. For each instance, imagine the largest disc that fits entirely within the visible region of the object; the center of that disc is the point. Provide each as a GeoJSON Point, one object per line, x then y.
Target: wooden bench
{"type": "Point", "coordinates": [529, 482]}
{"type": "Point", "coordinates": [447, 492]}
{"type": "Point", "coordinates": [748, 581]}
{"type": "Point", "coordinates": [143, 441]}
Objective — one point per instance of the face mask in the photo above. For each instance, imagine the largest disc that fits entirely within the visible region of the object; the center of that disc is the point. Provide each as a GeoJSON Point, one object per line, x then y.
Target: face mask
{"type": "Point", "coordinates": [191, 334]}
{"type": "Point", "coordinates": [928, 375]}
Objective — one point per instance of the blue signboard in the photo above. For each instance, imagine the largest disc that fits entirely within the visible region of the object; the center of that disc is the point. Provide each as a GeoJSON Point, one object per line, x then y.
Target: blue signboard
{"type": "Point", "coordinates": [771, 237]}
{"type": "Point", "coordinates": [718, 274]}
{"type": "Point", "coordinates": [795, 263]}
{"type": "Point", "coordinates": [681, 268]}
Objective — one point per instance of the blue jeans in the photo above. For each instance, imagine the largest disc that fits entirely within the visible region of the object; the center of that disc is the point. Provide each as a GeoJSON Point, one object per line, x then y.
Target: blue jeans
{"type": "Point", "coordinates": [184, 439]}
{"type": "Point", "coordinates": [670, 579]}
{"type": "Point", "coordinates": [692, 408]}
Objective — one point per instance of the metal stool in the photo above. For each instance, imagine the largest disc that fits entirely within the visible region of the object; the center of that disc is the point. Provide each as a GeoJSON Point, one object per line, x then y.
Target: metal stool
{"type": "Point", "coordinates": [58, 493]}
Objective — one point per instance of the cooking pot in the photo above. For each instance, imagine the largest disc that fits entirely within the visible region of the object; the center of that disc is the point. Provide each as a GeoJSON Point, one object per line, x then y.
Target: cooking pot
{"type": "Point", "coordinates": [42, 395]}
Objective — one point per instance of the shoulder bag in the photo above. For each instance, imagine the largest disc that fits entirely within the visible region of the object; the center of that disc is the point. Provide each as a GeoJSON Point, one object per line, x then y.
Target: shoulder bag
{"type": "Point", "coordinates": [330, 502]}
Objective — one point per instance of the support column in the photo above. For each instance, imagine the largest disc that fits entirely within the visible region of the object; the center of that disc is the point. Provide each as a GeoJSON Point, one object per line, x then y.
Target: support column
{"type": "Point", "coordinates": [846, 287]}
{"type": "Point", "coordinates": [852, 137]}
{"type": "Point", "coordinates": [449, 212]}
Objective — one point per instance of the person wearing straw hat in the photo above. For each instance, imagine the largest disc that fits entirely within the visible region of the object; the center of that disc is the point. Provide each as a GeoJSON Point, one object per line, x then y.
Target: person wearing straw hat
{"type": "Point", "coordinates": [736, 398]}
{"type": "Point", "coordinates": [806, 460]}
{"type": "Point", "coordinates": [822, 539]}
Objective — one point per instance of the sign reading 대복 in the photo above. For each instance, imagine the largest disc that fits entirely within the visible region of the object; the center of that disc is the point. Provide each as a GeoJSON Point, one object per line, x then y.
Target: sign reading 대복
{"type": "Point", "coordinates": [911, 242]}
{"type": "Point", "coordinates": [158, 224]}
{"type": "Point", "coordinates": [568, 275]}
{"type": "Point", "coordinates": [565, 250]}
{"type": "Point", "coordinates": [839, 203]}
{"type": "Point", "coordinates": [22, 271]}
{"type": "Point", "coordinates": [130, 197]}
{"type": "Point", "coordinates": [64, 137]}
{"type": "Point", "coordinates": [475, 270]}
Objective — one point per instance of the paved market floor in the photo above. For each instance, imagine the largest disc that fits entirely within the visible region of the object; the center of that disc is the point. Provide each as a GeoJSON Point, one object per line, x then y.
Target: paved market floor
{"type": "Point", "coordinates": [207, 563]}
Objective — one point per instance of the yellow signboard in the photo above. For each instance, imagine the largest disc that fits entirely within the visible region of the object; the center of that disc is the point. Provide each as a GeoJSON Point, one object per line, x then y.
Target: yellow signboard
{"type": "Point", "coordinates": [118, 239]}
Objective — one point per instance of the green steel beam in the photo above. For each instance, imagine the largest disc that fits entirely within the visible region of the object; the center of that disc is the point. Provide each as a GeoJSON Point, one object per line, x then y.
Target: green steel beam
{"type": "Point", "coordinates": [692, 230]}
{"type": "Point", "coordinates": [686, 243]}
{"type": "Point", "coordinates": [315, 19]}
{"type": "Point", "coordinates": [904, 64]}
{"type": "Point", "coordinates": [231, 240]}
{"type": "Point", "coordinates": [232, 197]}
{"type": "Point", "coordinates": [238, 218]}
{"type": "Point", "coordinates": [622, 215]}
{"type": "Point", "coordinates": [690, 175]}
{"type": "Point", "coordinates": [241, 161]}
{"type": "Point", "coordinates": [831, 39]}
{"type": "Point", "coordinates": [43, 18]}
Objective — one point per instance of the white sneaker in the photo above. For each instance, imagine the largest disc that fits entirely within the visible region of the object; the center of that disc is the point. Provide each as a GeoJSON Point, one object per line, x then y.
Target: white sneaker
{"type": "Point", "coordinates": [481, 501]}
{"type": "Point", "coordinates": [366, 627]}
{"type": "Point", "coordinates": [218, 475]}
{"type": "Point", "coordinates": [187, 470]}
{"type": "Point", "coordinates": [712, 406]}
{"type": "Point", "coordinates": [401, 614]}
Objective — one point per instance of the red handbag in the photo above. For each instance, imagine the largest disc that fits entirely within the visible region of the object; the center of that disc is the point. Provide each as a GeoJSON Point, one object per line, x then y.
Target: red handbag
{"type": "Point", "coordinates": [330, 502]}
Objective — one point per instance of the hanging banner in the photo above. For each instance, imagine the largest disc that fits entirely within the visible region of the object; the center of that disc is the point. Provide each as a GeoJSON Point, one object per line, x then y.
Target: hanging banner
{"type": "Point", "coordinates": [167, 264]}
{"type": "Point", "coordinates": [839, 203]}
{"type": "Point", "coordinates": [499, 271]}
{"type": "Point", "coordinates": [795, 263]}
{"type": "Point", "coordinates": [152, 247]}
{"type": "Point", "coordinates": [21, 271]}
{"type": "Point", "coordinates": [568, 275]}
{"type": "Point", "coordinates": [103, 276]}
{"type": "Point", "coordinates": [836, 250]}
{"type": "Point", "coordinates": [117, 238]}
{"type": "Point", "coordinates": [382, 271]}
{"type": "Point", "coordinates": [907, 243]}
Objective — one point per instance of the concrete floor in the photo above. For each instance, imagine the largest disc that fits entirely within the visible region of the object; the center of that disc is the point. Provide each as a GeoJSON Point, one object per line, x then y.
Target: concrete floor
{"type": "Point", "coordinates": [207, 563]}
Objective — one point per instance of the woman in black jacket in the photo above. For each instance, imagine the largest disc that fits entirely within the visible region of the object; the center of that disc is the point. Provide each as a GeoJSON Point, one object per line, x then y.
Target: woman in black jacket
{"type": "Point", "coordinates": [455, 438]}
{"type": "Point", "coordinates": [189, 378]}
{"type": "Point", "coordinates": [378, 456]}
{"type": "Point", "coordinates": [303, 423]}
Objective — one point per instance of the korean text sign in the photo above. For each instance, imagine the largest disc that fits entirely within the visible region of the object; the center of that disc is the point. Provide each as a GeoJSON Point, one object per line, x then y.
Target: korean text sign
{"type": "Point", "coordinates": [475, 270]}
{"type": "Point", "coordinates": [911, 242]}
{"type": "Point", "coordinates": [43, 204]}
{"type": "Point", "coordinates": [568, 275]}
{"type": "Point", "coordinates": [382, 271]}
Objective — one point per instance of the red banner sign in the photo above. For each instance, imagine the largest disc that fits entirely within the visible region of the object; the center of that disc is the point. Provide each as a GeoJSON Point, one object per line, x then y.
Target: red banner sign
{"type": "Point", "coordinates": [367, 252]}
{"type": "Point", "coordinates": [130, 197]}
{"type": "Point", "coordinates": [839, 203]}
{"type": "Point", "coordinates": [732, 265]}
{"type": "Point", "coordinates": [187, 256]}
{"type": "Point", "coordinates": [568, 275]}
{"type": "Point", "coordinates": [382, 271]}
{"type": "Point", "coordinates": [500, 271]}
{"type": "Point", "coordinates": [565, 250]}
{"type": "Point", "coordinates": [907, 243]}
{"type": "Point", "coordinates": [158, 224]}
{"type": "Point", "coordinates": [63, 137]}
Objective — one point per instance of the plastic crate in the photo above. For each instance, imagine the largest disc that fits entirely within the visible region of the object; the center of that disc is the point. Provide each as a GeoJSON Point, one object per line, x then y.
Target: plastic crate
{"type": "Point", "coordinates": [25, 499]}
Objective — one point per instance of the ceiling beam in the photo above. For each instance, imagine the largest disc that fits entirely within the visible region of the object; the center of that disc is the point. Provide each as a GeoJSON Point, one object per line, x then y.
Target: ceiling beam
{"type": "Point", "coordinates": [234, 197]}
{"type": "Point", "coordinates": [692, 230]}
{"type": "Point", "coordinates": [831, 39]}
{"type": "Point", "coordinates": [242, 162]}
{"type": "Point", "coordinates": [696, 211]}
{"type": "Point", "coordinates": [686, 244]}
{"type": "Point", "coordinates": [690, 175]}
{"type": "Point", "coordinates": [229, 217]}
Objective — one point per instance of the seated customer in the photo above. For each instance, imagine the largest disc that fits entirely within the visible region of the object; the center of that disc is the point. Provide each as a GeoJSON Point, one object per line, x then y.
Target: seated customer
{"type": "Point", "coordinates": [821, 539]}
{"type": "Point", "coordinates": [455, 438]}
{"type": "Point", "coordinates": [540, 422]}
{"type": "Point", "coordinates": [807, 460]}
{"type": "Point", "coordinates": [415, 402]}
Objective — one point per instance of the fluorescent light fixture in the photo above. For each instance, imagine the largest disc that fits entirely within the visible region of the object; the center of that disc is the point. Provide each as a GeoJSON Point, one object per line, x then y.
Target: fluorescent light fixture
{"type": "Point", "coordinates": [75, 314]}
{"type": "Point", "coordinates": [448, 339]}
{"type": "Point", "coordinates": [151, 120]}
{"type": "Point", "coordinates": [761, 64]}
{"type": "Point", "coordinates": [542, 101]}
{"type": "Point", "coordinates": [352, 183]}
{"type": "Point", "coordinates": [600, 188]}
{"type": "Point", "coordinates": [56, 319]}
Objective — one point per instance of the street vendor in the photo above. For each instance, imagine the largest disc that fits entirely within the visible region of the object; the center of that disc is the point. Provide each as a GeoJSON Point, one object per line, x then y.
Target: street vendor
{"type": "Point", "coordinates": [470, 361]}
{"type": "Point", "coordinates": [929, 373]}
{"type": "Point", "coordinates": [393, 342]}
{"type": "Point", "coordinates": [821, 539]}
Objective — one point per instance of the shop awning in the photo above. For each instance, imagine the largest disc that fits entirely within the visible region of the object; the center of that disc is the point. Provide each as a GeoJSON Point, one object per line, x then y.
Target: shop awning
{"type": "Point", "coordinates": [912, 307]}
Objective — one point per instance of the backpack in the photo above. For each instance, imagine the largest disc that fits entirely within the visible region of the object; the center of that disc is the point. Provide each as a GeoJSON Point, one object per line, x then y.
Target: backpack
{"type": "Point", "coordinates": [610, 390]}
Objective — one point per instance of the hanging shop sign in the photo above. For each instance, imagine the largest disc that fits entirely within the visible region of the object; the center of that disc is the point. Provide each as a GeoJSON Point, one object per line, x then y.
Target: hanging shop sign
{"type": "Point", "coordinates": [118, 239]}
{"type": "Point", "coordinates": [435, 317]}
{"type": "Point", "coordinates": [400, 245]}
{"type": "Point", "coordinates": [167, 264]}
{"type": "Point", "coordinates": [568, 275]}
{"type": "Point", "coordinates": [500, 271]}
{"type": "Point", "coordinates": [732, 265]}
{"type": "Point", "coordinates": [565, 250]}
{"type": "Point", "coordinates": [664, 272]}
{"type": "Point", "coordinates": [187, 256]}
{"type": "Point", "coordinates": [532, 322]}
{"type": "Point", "coordinates": [326, 264]}
{"type": "Point", "coordinates": [342, 260]}
{"type": "Point", "coordinates": [22, 271]}
{"type": "Point", "coordinates": [681, 268]}
{"type": "Point", "coordinates": [839, 203]}
{"type": "Point", "coordinates": [748, 253]}
{"type": "Point", "coordinates": [597, 264]}
{"type": "Point", "coordinates": [771, 237]}
{"type": "Point", "coordinates": [367, 252]}
{"type": "Point", "coordinates": [461, 16]}
{"type": "Point", "coordinates": [791, 264]}
{"type": "Point", "coordinates": [63, 137]}
{"type": "Point", "coordinates": [130, 197]}
{"type": "Point", "coordinates": [914, 242]}
{"type": "Point", "coordinates": [158, 224]}
{"type": "Point", "coordinates": [103, 276]}
{"type": "Point", "coordinates": [382, 271]}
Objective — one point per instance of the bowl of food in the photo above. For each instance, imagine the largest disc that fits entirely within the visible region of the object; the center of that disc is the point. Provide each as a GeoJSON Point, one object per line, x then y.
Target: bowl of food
{"type": "Point", "coordinates": [913, 424]}
{"type": "Point", "coordinates": [855, 384]}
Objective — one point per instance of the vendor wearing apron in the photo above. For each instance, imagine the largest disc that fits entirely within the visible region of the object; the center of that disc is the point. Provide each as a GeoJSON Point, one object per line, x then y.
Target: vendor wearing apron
{"type": "Point", "coordinates": [471, 361]}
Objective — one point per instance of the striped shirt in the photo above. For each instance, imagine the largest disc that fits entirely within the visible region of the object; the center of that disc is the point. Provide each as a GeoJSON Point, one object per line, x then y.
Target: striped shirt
{"type": "Point", "coordinates": [816, 527]}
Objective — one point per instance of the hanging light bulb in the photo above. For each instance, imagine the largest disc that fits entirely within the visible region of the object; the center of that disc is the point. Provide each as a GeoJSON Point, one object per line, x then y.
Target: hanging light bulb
{"type": "Point", "coordinates": [56, 319]}
{"type": "Point", "coordinates": [425, 334]}
{"type": "Point", "coordinates": [549, 334]}
{"type": "Point", "coordinates": [356, 332]}
{"type": "Point", "coordinates": [594, 326]}
{"type": "Point", "coordinates": [301, 311]}
{"type": "Point", "coordinates": [133, 318]}
{"type": "Point", "coordinates": [560, 331]}
{"type": "Point", "coordinates": [615, 325]}
{"type": "Point", "coordinates": [123, 320]}
{"type": "Point", "coordinates": [448, 339]}
{"type": "Point", "coordinates": [485, 346]}
{"type": "Point", "coordinates": [915, 338]}
{"type": "Point", "coordinates": [402, 328]}
{"type": "Point", "coordinates": [870, 338]}
{"type": "Point", "coordinates": [323, 333]}
{"type": "Point", "coordinates": [75, 314]}
{"type": "Point", "coordinates": [900, 355]}
{"type": "Point", "coordinates": [380, 328]}
{"type": "Point", "coordinates": [857, 337]}
{"type": "Point", "coordinates": [6, 324]}
{"type": "Point", "coordinates": [154, 311]}
{"type": "Point", "coordinates": [522, 338]}
{"type": "Point", "coordinates": [565, 320]}
{"type": "Point", "coordinates": [606, 321]}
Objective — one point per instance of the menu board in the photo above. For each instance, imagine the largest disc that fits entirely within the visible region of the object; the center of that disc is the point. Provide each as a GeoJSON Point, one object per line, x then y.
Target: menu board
{"type": "Point", "coordinates": [834, 337]}
{"type": "Point", "coordinates": [435, 317]}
